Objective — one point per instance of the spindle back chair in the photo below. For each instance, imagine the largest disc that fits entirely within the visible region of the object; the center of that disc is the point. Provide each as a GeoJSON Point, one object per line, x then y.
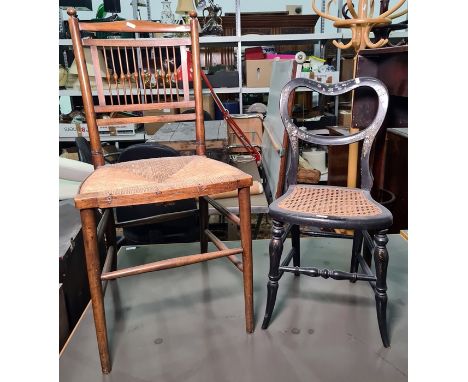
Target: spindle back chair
{"type": "Point", "coordinates": [329, 207]}
{"type": "Point", "coordinates": [141, 75]}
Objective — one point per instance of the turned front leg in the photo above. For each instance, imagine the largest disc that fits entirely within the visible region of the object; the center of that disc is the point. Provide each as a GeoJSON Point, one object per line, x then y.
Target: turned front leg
{"type": "Point", "coordinates": [275, 250]}
{"type": "Point", "coordinates": [381, 264]}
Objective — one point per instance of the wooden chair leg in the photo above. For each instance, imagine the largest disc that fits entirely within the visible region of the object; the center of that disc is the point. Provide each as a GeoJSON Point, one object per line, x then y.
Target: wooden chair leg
{"type": "Point", "coordinates": [203, 213]}
{"type": "Point", "coordinates": [381, 263]}
{"type": "Point", "coordinates": [276, 249]}
{"type": "Point", "coordinates": [296, 244]}
{"type": "Point", "coordinates": [357, 247]}
{"type": "Point", "coordinates": [246, 241]}
{"type": "Point", "coordinates": [88, 222]}
{"type": "Point", "coordinates": [111, 239]}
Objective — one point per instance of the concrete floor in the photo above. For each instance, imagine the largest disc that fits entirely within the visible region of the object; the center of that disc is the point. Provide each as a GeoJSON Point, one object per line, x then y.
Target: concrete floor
{"type": "Point", "coordinates": [187, 324]}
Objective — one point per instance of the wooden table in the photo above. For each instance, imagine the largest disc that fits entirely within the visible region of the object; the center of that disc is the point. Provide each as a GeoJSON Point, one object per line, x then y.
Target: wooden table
{"type": "Point", "coordinates": [181, 135]}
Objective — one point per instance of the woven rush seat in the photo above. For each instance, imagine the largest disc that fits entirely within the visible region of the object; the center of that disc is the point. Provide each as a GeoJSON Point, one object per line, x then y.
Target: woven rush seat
{"type": "Point", "coordinates": [341, 206]}
{"type": "Point", "coordinates": [158, 180]}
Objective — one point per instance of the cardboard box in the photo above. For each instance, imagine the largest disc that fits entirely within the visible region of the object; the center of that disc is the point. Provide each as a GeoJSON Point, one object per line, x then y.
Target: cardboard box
{"type": "Point", "coordinates": [67, 130]}
{"type": "Point", "coordinates": [252, 126]}
{"type": "Point", "coordinates": [258, 73]}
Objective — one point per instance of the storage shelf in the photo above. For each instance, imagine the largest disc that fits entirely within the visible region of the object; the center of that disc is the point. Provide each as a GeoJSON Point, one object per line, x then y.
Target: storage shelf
{"type": "Point", "coordinates": [255, 39]}
{"type": "Point", "coordinates": [255, 90]}
{"type": "Point", "coordinates": [283, 39]}
{"type": "Point", "coordinates": [239, 42]}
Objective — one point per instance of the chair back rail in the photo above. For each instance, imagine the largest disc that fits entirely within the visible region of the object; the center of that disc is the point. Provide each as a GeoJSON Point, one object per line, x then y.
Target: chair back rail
{"type": "Point", "coordinates": [368, 134]}
{"type": "Point", "coordinates": [136, 75]}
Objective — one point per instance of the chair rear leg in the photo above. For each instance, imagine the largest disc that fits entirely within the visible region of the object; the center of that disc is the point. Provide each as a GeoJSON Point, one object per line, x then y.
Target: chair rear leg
{"type": "Point", "coordinates": [246, 242]}
{"type": "Point", "coordinates": [381, 263]}
{"type": "Point", "coordinates": [276, 249]}
{"type": "Point", "coordinates": [88, 222]}
{"type": "Point", "coordinates": [203, 213]}
{"type": "Point", "coordinates": [357, 246]}
{"type": "Point", "coordinates": [366, 253]}
{"type": "Point", "coordinates": [296, 244]}
{"type": "Point", "coordinates": [111, 239]}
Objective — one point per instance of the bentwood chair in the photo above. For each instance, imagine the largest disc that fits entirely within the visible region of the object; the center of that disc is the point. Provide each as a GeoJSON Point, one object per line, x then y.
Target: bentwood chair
{"type": "Point", "coordinates": [140, 76]}
{"type": "Point", "coordinates": [332, 207]}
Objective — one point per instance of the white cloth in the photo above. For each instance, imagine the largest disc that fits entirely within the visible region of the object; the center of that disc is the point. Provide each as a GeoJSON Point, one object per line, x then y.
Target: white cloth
{"type": "Point", "coordinates": [71, 175]}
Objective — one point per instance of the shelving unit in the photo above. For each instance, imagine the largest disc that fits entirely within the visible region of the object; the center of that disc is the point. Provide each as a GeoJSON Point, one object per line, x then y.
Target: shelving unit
{"type": "Point", "coordinates": [239, 41]}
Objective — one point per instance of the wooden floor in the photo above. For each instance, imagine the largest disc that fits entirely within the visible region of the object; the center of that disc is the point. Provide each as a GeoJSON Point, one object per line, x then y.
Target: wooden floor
{"type": "Point", "coordinates": [187, 324]}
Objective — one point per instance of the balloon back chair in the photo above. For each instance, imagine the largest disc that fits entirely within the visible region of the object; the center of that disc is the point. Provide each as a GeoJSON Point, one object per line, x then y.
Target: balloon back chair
{"type": "Point", "coordinates": [140, 76]}
{"type": "Point", "coordinates": [332, 207]}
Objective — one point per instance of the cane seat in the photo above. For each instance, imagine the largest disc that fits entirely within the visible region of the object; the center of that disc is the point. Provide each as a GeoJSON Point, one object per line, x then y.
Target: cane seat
{"type": "Point", "coordinates": [342, 206]}
{"type": "Point", "coordinates": [158, 180]}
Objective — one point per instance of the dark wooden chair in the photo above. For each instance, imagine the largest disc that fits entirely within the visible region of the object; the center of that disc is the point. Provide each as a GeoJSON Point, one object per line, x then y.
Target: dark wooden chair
{"type": "Point", "coordinates": [140, 76]}
{"type": "Point", "coordinates": [332, 207]}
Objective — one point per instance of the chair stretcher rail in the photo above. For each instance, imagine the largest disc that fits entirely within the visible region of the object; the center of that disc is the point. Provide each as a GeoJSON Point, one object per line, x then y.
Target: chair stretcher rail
{"type": "Point", "coordinates": [229, 215]}
{"type": "Point", "coordinates": [222, 247]}
{"type": "Point", "coordinates": [103, 224]}
{"type": "Point", "coordinates": [169, 263]}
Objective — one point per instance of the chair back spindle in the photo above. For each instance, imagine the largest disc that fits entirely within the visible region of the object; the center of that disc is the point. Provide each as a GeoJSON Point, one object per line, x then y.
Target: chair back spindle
{"type": "Point", "coordinates": [368, 134]}
{"type": "Point", "coordinates": [135, 75]}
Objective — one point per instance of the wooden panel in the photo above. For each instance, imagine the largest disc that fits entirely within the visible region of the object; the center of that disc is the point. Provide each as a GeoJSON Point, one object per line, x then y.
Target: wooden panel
{"type": "Point", "coordinates": [146, 119]}
{"type": "Point", "coordinates": [141, 107]}
{"type": "Point", "coordinates": [135, 43]}
{"type": "Point", "coordinates": [133, 26]}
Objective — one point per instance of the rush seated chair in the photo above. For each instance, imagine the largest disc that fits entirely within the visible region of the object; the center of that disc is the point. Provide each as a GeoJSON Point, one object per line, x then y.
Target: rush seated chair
{"type": "Point", "coordinates": [175, 222]}
{"type": "Point", "coordinates": [157, 180]}
{"type": "Point", "coordinates": [332, 207]}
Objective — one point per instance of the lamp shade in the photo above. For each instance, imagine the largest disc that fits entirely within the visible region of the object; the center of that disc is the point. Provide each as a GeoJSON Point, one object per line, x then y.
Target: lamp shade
{"type": "Point", "coordinates": [89, 64]}
{"type": "Point", "coordinates": [184, 6]}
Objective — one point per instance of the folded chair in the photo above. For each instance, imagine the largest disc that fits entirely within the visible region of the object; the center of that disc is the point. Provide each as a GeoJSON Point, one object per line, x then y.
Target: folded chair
{"type": "Point", "coordinates": [332, 207]}
{"type": "Point", "coordinates": [140, 76]}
